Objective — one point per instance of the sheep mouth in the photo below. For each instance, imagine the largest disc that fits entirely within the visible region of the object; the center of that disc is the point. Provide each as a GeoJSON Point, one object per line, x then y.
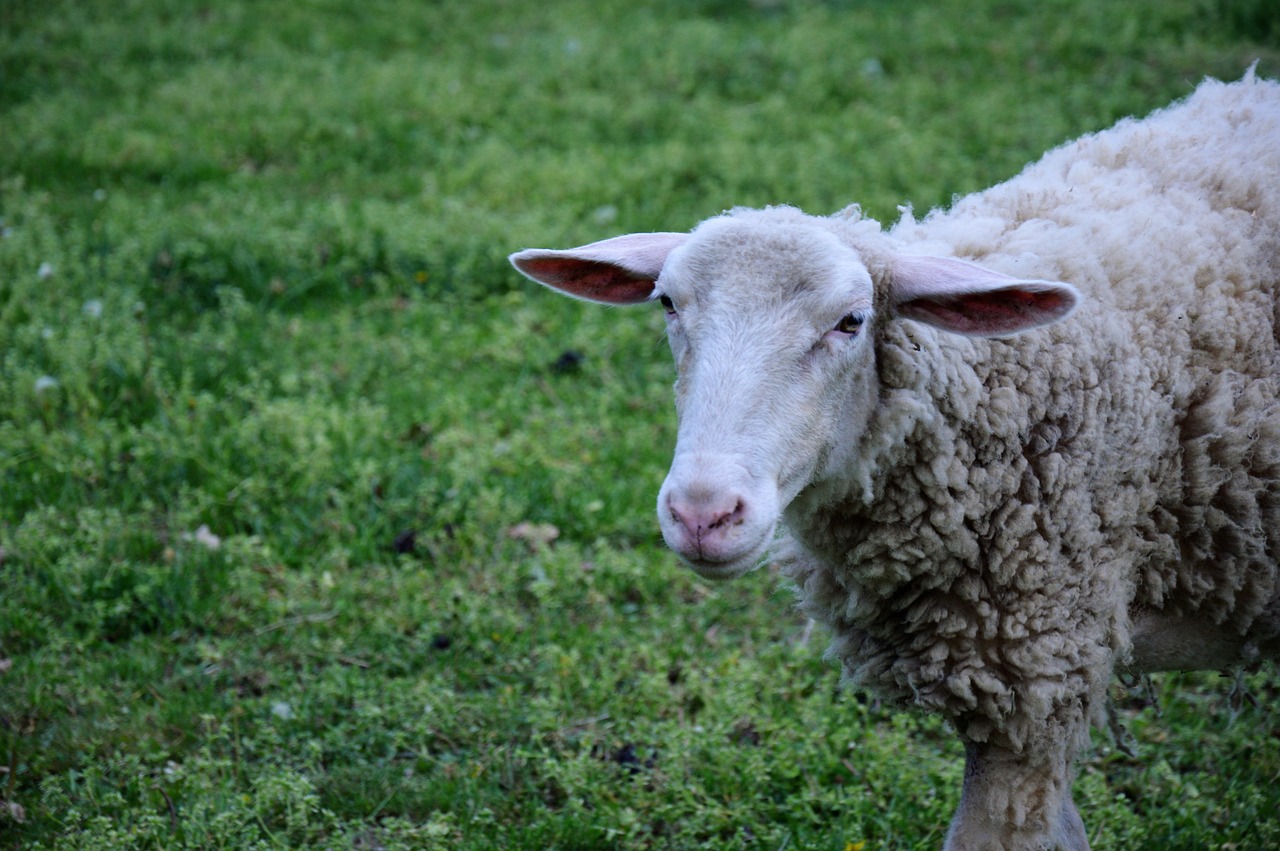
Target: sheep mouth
{"type": "Point", "coordinates": [724, 570]}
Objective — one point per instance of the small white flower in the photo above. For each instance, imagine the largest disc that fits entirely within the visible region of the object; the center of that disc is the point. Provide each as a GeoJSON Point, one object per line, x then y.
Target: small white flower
{"type": "Point", "coordinates": [282, 710]}
{"type": "Point", "coordinates": [92, 308]}
{"type": "Point", "coordinates": [203, 536]}
{"type": "Point", "coordinates": [206, 538]}
{"type": "Point", "coordinates": [45, 383]}
{"type": "Point", "coordinates": [99, 194]}
{"type": "Point", "coordinates": [45, 271]}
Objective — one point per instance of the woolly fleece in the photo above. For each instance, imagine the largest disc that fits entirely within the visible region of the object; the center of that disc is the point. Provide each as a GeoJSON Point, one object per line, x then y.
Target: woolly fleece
{"type": "Point", "coordinates": [1017, 504]}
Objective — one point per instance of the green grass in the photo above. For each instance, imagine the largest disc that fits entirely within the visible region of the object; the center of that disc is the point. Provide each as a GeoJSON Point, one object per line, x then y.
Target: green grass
{"type": "Point", "coordinates": [252, 278]}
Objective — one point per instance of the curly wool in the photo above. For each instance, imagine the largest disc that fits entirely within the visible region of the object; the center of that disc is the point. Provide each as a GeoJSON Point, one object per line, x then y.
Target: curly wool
{"type": "Point", "coordinates": [1017, 503]}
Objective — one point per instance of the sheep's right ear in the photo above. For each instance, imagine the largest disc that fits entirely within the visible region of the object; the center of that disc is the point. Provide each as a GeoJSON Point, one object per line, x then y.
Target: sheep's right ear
{"type": "Point", "coordinates": [965, 298]}
{"type": "Point", "coordinates": [621, 270]}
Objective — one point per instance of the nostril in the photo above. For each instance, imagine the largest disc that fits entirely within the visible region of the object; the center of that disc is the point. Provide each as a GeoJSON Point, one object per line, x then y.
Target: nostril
{"type": "Point", "coordinates": [734, 517]}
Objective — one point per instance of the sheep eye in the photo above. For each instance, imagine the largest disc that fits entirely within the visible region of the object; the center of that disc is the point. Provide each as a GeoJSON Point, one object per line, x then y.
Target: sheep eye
{"type": "Point", "coordinates": [851, 323]}
{"type": "Point", "coordinates": [667, 304]}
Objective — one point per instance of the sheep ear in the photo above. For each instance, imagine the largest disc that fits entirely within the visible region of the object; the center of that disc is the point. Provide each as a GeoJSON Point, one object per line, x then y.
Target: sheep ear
{"type": "Point", "coordinates": [964, 298]}
{"type": "Point", "coordinates": [621, 270]}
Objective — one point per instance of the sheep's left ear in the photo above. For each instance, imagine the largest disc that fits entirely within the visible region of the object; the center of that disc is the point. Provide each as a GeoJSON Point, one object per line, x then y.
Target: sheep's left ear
{"type": "Point", "coordinates": [964, 298]}
{"type": "Point", "coordinates": [621, 270]}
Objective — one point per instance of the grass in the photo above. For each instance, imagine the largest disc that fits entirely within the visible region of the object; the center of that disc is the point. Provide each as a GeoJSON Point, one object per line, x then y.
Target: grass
{"type": "Point", "coordinates": [252, 281]}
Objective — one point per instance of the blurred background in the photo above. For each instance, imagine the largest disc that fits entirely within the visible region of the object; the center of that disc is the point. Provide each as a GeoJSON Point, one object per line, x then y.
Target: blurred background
{"type": "Point", "coordinates": [321, 527]}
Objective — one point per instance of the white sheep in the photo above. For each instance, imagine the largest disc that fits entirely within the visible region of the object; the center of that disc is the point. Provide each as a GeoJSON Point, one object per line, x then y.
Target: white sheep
{"type": "Point", "coordinates": [989, 521]}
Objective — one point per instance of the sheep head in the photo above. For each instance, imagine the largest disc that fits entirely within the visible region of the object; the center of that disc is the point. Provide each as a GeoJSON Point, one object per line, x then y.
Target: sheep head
{"type": "Point", "coordinates": [771, 318]}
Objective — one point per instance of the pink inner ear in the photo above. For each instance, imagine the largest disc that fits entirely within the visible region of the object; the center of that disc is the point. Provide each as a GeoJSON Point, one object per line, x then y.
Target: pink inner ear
{"type": "Point", "coordinates": [995, 312]}
{"type": "Point", "coordinates": [620, 270]}
{"type": "Point", "coordinates": [589, 279]}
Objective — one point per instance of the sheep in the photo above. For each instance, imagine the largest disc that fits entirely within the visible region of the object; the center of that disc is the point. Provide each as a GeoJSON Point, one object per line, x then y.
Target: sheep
{"type": "Point", "coordinates": [1002, 451]}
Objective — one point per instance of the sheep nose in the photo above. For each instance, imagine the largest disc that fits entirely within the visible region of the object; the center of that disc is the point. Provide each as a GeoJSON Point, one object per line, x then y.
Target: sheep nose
{"type": "Point", "coordinates": [707, 519]}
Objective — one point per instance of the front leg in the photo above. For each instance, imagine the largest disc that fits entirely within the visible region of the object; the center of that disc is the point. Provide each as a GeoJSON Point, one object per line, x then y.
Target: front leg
{"type": "Point", "coordinates": [1017, 801]}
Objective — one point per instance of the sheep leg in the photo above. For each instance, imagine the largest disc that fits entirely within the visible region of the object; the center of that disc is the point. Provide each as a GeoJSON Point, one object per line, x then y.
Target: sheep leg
{"type": "Point", "coordinates": [1016, 802]}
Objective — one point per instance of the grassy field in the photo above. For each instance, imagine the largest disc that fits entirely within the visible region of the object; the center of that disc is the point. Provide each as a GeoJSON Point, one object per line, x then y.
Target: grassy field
{"type": "Point", "coordinates": [320, 528]}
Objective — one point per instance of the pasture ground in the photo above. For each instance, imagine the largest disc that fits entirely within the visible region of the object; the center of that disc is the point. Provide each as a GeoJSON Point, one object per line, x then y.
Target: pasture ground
{"type": "Point", "coordinates": [320, 528]}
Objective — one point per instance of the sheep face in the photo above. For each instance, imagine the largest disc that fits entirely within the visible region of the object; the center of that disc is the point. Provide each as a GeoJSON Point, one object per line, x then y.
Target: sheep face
{"type": "Point", "coordinates": [768, 324]}
{"type": "Point", "coordinates": [772, 318]}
